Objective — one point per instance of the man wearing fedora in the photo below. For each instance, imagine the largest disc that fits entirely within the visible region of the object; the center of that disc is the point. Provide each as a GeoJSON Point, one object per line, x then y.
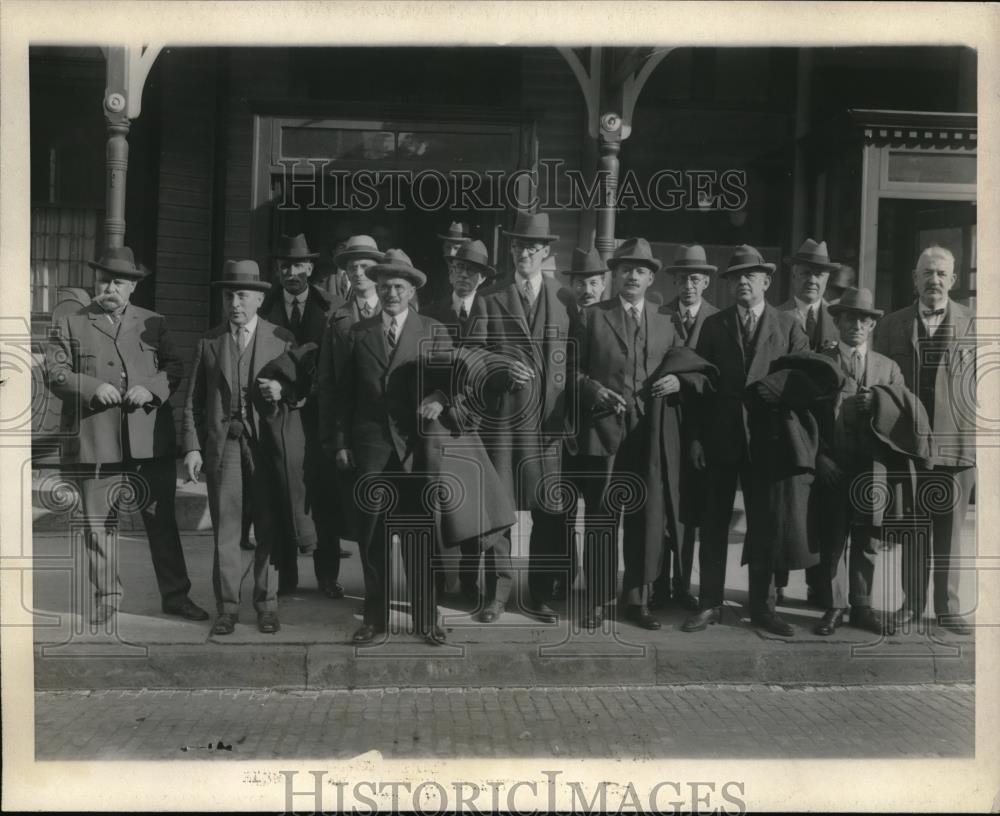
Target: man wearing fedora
{"type": "Point", "coordinates": [692, 275]}
{"type": "Point", "coordinates": [841, 279]}
{"type": "Point", "coordinates": [225, 408]}
{"type": "Point", "coordinates": [384, 392]}
{"type": "Point", "coordinates": [524, 325]}
{"type": "Point", "coordinates": [469, 270]}
{"type": "Point", "coordinates": [452, 240]}
{"type": "Point", "coordinates": [304, 309]}
{"type": "Point", "coordinates": [621, 343]}
{"type": "Point", "coordinates": [810, 269]}
{"type": "Point", "coordinates": [114, 365]}
{"type": "Point", "coordinates": [933, 344]}
{"type": "Point", "coordinates": [741, 341]}
{"type": "Point", "coordinates": [853, 448]}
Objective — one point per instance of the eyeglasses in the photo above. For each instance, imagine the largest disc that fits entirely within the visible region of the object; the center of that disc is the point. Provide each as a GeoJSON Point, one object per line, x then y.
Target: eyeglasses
{"type": "Point", "coordinates": [531, 249]}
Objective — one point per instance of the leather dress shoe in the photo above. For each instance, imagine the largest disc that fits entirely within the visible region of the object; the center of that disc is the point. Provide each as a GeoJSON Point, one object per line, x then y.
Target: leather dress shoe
{"type": "Point", "coordinates": [772, 623]}
{"type": "Point", "coordinates": [267, 622]}
{"type": "Point", "coordinates": [247, 544]}
{"type": "Point", "coordinates": [435, 636]}
{"type": "Point", "coordinates": [904, 615]}
{"type": "Point", "coordinates": [186, 609]}
{"type": "Point", "coordinates": [366, 633]}
{"type": "Point", "coordinates": [864, 617]}
{"type": "Point", "coordinates": [544, 613]}
{"type": "Point", "coordinates": [832, 618]}
{"type": "Point", "coordinates": [492, 612]}
{"type": "Point", "coordinates": [332, 590]}
{"type": "Point", "coordinates": [955, 623]}
{"type": "Point", "coordinates": [639, 615]}
{"type": "Point", "coordinates": [225, 624]}
{"type": "Point", "coordinates": [103, 613]}
{"type": "Point", "coordinates": [593, 619]}
{"type": "Point", "coordinates": [701, 620]}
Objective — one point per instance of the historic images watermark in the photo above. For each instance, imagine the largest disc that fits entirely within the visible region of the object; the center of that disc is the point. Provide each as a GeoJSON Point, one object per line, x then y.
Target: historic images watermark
{"type": "Point", "coordinates": [320, 793]}
{"type": "Point", "coordinates": [317, 184]}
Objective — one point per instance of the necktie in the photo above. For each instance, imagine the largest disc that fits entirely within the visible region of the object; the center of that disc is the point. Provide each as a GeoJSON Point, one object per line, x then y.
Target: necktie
{"type": "Point", "coordinates": [929, 313]}
{"type": "Point", "coordinates": [528, 293]}
{"type": "Point", "coordinates": [811, 325]}
{"type": "Point", "coordinates": [296, 317]}
{"type": "Point", "coordinates": [633, 312]}
{"type": "Point", "coordinates": [749, 324]}
{"type": "Point", "coordinates": [390, 334]}
{"type": "Point", "coordinates": [463, 313]}
{"type": "Point", "coordinates": [688, 322]}
{"type": "Point", "coordinates": [857, 367]}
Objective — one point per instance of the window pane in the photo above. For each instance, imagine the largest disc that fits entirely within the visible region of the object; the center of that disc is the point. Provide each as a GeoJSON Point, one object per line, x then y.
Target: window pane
{"type": "Point", "coordinates": [337, 144]}
{"type": "Point", "coordinates": [932, 168]}
{"type": "Point", "coordinates": [63, 239]}
{"type": "Point", "coordinates": [451, 149]}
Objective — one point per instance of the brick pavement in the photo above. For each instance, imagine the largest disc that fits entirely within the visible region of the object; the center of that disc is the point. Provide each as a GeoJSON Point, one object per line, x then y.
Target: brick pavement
{"type": "Point", "coordinates": [721, 721]}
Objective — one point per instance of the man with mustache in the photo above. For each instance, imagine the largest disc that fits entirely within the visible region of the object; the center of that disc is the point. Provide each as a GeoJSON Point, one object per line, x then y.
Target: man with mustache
{"type": "Point", "coordinates": [692, 276]}
{"type": "Point", "coordinates": [741, 341]}
{"type": "Point", "coordinates": [933, 344]}
{"type": "Point", "coordinates": [226, 405]}
{"type": "Point", "coordinates": [114, 365]}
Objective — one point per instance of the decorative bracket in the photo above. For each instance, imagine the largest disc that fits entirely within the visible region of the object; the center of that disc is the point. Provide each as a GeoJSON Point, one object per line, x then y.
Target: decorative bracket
{"type": "Point", "coordinates": [127, 71]}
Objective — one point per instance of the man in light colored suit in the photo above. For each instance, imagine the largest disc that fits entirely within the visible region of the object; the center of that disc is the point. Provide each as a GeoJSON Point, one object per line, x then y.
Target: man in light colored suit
{"type": "Point", "coordinates": [115, 366]}
{"type": "Point", "coordinates": [225, 405]}
{"type": "Point", "coordinates": [933, 344]}
{"type": "Point", "coordinates": [692, 274]}
{"type": "Point", "coordinates": [741, 341]}
{"type": "Point", "coordinates": [811, 268]}
{"type": "Point", "coordinates": [852, 452]}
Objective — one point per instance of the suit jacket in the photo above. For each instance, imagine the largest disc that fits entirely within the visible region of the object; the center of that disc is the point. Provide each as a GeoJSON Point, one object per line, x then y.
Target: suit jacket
{"type": "Point", "coordinates": [953, 437]}
{"type": "Point", "coordinates": [719, 421]}
{"type": "Point", "coordinates": [826, 329]}
{"type": "Point", "coordinates": [314, 315]}
{"type": "Point", "coordinates": [207, 410]}
{"type": "Point", "coordinates": [83, 352]}
{"type": "Point", "coordinates": [673, 309]}
{"type": "Point", "coordinates": [444, 313]}
{"type": "Point", "coordinates": [523, 429]}
{"type": "Point", "coordinates": [602, 361]}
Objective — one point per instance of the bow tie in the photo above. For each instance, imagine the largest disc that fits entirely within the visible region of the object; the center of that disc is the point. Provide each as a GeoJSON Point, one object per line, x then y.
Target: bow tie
{"type": "Point", "coordinates": [933, 313]}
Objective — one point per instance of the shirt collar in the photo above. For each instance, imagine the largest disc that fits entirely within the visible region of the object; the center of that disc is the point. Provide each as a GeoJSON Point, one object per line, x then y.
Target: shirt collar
{"type": "Point", "coordinates": [536, 283]}
{"type": "Point", "coordinates": [689, 310]}
{"type": "Point", "coordinates": [923, 307]}
{"type": "Point", "coordinates": [847, 351]}
{"type": "Point", "coordinates": [757, 310]}
{"type": "Point", "coordinates": [251, 327]}
{"type": "Point", "coordinates": [371, 300]}
{"type": "Point", "coordinates": [628, 306]}
{"type": "Point", "coordinates": [290, 298]}
{"type": "Point", "coordinates": [457, 302]}
{"type": "Point", "coordinates": [804, 307]}
{"type": "Point", "coordinates": [399, 319]}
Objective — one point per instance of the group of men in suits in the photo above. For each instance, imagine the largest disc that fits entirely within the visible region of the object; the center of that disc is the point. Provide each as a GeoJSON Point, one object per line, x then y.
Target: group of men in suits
{"type": "Point", "coordinates": [305, 411]}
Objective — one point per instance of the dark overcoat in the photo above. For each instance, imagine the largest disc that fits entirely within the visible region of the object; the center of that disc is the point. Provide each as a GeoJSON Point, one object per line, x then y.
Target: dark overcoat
{"type": "Point", "coordinates": [827, 333]}
{"type": "Point", "coordinates": [84, 351]}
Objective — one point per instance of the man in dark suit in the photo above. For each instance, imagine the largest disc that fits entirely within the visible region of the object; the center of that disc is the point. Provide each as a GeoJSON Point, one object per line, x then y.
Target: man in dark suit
{"type": "Point", "coordinates": [932, 342]}
{"type": "Point", "coordinates": [304, 309]}
{"type": "Point", "coordinates": [692, 274]}
{"type": "Point", "coordinates": [385, 390]}
{"type": "Point", "coordinates": [469, 269]}
{"type": "Point", "coordinates": [741, 341]}
{"type": "Point", "coordinates": [810, 269]}
{"type": "Point", "coordinates": [524, 325]}
{"type": "Point", "coordinates": [225, 406]}
{"type": "Point", "coordinates": [852, 451]}
{"type": "Point", "coordinates": [115, 366]}
{"type": "Point", "coordinates": [620, 344]}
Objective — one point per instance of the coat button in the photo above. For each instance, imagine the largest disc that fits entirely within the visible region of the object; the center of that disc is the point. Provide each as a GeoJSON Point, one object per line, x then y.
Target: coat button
{"type": "Point", "coordinates": [111, 362]}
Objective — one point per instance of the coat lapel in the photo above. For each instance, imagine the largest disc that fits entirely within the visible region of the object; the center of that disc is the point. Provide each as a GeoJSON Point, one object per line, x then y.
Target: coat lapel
{"type": "Point", "coordinates": [656, 334]}
{"type": "Point", "coordinates": [406, 344]}
{"type": "Point", "coordinates": [732, 323]}
{"type": "Point", "coordinates": [99, 320]}
{"type": "Point", "coordinates": [225, 358]}
{"type": "Point", "coordinates": [374, 340]}
{"type": "Point", "coordinates": [615, 316]}
{"type": "Point", "coordinates": [765, 337]}
{"type": "Point", "coordinates": [510, 301]}
{"type": "Point", "coordinates": [266, 347]}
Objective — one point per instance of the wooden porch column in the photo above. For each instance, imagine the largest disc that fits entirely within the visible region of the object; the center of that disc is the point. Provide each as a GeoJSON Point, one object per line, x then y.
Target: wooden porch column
{"type": "Point", "coordinates": [609, 145]}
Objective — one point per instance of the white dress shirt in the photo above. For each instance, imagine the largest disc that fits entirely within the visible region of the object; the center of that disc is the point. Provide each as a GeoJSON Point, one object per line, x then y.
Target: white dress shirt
{"type": "Point", "coordinates": [628, 307]}
{"type": "Point", "coordinates": [251, 327]}
{"type": "Point", "coordinates": [933, 323]}
{"type": "Point", "coordinates": [757, 310]}
{"type": "Point", "coordinates": [457, 303]}
{"type": "Point", "coordinates": [399, 320]}
{"type": "Point", "coordinates": [290, 299]}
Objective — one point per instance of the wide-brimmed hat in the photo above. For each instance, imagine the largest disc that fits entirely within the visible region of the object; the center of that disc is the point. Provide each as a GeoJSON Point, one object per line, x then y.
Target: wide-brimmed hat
{"type": "Point", "coordinates": [356, 248]}
{"type": "Point", "coordinates": [119, 261]}
{"type": "Point", "coordinates": [532, 227]}
{"type": "Point", "coordinates": [813, 254]}
{"type": "Point", "coordinates": [242, 275]}
{"type": "Point", "coordinates": [856, 300]}
{"type": "Point", "coordinates": [745, 259]}
{"type": "Point", "coordinates": [691, 258]}
{"type": "Point", "coordinates": [586, 263]}
{"type": "Point", "coordinates": [843, 277]}
{"type": "Point", "coordinates": [294, 248]}
{"type": "Point", "coordinates": [475, 253]}
{"type": "Point", "coordinates": [397, 264]}
{"type": "Point", "coordinates": [458, 232]}
{"type": "Point", "coordinates": [637, 251]}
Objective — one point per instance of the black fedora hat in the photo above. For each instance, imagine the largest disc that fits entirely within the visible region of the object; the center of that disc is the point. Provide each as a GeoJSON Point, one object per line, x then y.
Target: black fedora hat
{"type": "Point", "coordinates": [532, 227]}
{"type": "Point", "coordinates": [397, 264]}
{"type": "Point", "coordinates": [747, 259]}
{"type": "Point", "coordinates": [242, 275]}
{"type": "Point", "coordinates": [458, 232]}
{"type": "Point", "coordinates": [119, 261]}
{"type": "Point", "coordinates": [294, 248]}
{"type": "Point", "coordinates": [856, 300]}
{"type": "Point", "coordinates": [475, 253]}
{"type": "Point", "coordinates": [586, 263]}
{"type": "Point", "coordinates": [637, 251]}
{"type": "Point", "coordinates": [813, 254]}
{"type": "Point", "coordinates": [691, 258]}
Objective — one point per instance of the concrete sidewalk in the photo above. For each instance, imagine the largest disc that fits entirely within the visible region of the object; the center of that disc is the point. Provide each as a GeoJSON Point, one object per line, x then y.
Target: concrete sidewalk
{"type": "Point", "coordinates": [147, 649]}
